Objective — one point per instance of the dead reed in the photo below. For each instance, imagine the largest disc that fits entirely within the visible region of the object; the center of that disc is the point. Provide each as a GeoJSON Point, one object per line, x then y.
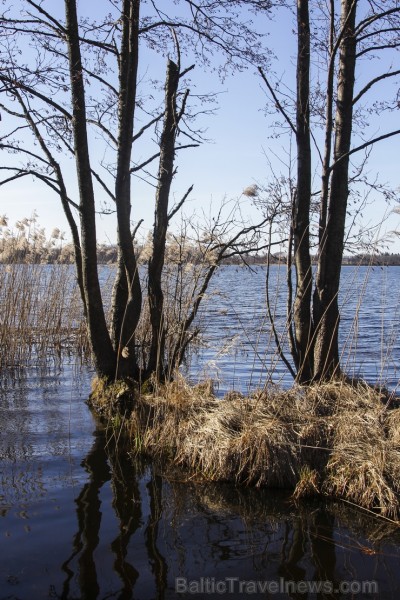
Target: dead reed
{"type": "Point", "coordinates": [40, 314]}
{"type": "Point", "coordinates": [337, 439]}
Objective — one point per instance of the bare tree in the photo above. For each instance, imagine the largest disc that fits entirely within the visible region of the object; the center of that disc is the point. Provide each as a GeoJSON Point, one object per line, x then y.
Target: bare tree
{"type": "Point", "coordinates": [76, 85]}
{"type": "Point", "coordinates": [349, 34]}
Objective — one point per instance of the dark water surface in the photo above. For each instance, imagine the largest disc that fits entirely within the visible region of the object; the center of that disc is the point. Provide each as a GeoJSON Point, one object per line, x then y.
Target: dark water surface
{"type": "Point", "coordinates": [81, 520]}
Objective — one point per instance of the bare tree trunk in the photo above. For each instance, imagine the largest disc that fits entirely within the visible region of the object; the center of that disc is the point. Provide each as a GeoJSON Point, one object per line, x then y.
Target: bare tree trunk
{"type": "Point", "coordinates": [156, 262]}
{"type": "Point", "coordinates": [102, 350]}
{"type": "Point", "coordinates": [119, 301]}
{"type": "Point", "coordinates": [301, 213]}
{"type": "Point", "coordinates": [127, 289]}
{"type": "Point", "coordinates": [326, 311]}
{"type": "Point", "coordinates": [328, 127]}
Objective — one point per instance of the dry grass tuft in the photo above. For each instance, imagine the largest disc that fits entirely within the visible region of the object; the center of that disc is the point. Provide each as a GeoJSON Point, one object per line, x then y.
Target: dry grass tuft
{"type": "Point", "coordinates": [357, 468]}
{"type": "Point", "coordinates": [335, 439]}
{"type": "Point", "coordinates": [307, 485]}
{"type": "Point", "coordinates": [393, 427]}
{"type": "Point", "coordinates": [234, 441]}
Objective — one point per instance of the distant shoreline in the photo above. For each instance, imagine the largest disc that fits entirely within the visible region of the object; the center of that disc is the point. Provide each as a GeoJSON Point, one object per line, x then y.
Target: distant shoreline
{"type": "Point", "coordinates": [108, 255]}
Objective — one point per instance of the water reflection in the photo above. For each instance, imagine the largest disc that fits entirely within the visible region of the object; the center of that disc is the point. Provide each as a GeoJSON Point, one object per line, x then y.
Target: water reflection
{"type": "Point", "coordinates": [166, 528]}
{"type": "Point", "coordinates": [86, 540]}
{"type": "Point", "coordinates": [128, 509]}
{"type": "Point", "coordinates": [108, 462]}
{"type": "Point", "coordinates": [320, 535]}
{"type": "Point", "coordinates": [81, 519]}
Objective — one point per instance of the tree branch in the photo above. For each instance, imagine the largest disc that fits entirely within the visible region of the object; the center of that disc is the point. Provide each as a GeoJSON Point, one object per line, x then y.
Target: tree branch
{"type": "Point", "coordinates": [136, 229]}
{"type": "Point", "coordinates": [363, 146]}
{"type": "Point", "coordinates": [143, 129]}
{"type": "Point", "coordinates": [373, 82]}
{"type": "Point", "coordinates": [277, 101]}
{"type": "Point", "coordinates": [175, 209]}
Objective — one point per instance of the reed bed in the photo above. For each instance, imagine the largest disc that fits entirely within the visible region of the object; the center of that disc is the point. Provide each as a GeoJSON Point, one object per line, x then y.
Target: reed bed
{"type": "Point", "coordinates": [40, 315]}
{"type": "Point", "coordinates": [338, 439]}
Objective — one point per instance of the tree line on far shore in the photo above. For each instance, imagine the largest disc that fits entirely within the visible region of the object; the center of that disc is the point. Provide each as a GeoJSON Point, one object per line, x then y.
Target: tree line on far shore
{"type": "Point", "coordinates": [27, 242]}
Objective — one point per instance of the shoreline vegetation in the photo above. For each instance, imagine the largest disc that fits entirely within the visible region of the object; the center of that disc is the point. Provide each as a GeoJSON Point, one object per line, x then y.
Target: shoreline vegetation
{"type": "Point", "coordinates": [338, 440]}
{"type": "Point", "coordinates": [107, 255]}
{"type": "Point", "coordinates": [27, 243]}
{"type": "Point", "coordinates": [335, 438]}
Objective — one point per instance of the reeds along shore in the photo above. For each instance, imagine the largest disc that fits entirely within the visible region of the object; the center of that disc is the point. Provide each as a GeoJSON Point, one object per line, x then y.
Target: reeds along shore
{"type": "Point", "coordinates": [334, 439]}
{"type": "Point", "coordinates": [41, 315]}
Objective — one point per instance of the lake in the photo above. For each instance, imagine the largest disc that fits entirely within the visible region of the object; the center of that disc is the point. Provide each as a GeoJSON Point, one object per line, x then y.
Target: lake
{"type": "Point", "coordinates": [82, 520]}
{"type": "Point", "coordinates": [239, 349]}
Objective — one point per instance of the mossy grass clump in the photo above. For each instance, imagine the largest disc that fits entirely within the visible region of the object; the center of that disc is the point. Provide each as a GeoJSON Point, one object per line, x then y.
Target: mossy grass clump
{"type": "Point", "coordinates": [110, 399]}
{"type": "Point", "coordinates": [337, 439]}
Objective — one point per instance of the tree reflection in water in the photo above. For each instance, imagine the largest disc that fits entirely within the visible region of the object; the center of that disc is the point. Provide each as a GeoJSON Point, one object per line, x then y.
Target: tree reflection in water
{"type": "Point", "coordinates": [130, 529]}
{"type": "Point", "coordinates": [166, 529]}
{"type": "Point", "coordinates": [88, 503]}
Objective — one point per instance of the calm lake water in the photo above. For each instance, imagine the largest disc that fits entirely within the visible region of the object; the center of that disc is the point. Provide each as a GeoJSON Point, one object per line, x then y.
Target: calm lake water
{"type": "Point", "coordinates": [240, 350]}
{"type": "Point", "coordinates": [80, 520]}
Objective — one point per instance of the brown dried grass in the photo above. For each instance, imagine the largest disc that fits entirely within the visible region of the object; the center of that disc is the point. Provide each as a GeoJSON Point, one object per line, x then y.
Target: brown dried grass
{"type": "Point", "coordinates": [334, 439]}
{"type": "Point", "coordinates": [40, 315]}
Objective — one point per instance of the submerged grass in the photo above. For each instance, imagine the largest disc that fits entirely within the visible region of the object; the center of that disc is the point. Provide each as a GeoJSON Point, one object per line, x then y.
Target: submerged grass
{"type": "Point", "coordinates": [336, 439]}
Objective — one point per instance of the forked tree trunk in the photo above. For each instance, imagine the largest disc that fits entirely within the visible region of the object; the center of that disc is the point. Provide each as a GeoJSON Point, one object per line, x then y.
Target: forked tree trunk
{"type": "Point", "coordinates": [326, 311]}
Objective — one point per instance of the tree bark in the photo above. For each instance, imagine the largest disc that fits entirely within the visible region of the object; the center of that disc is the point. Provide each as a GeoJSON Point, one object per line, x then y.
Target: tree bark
{"type": "Point", "coordinates": [301, 214]}
{"type": "Point", "coordinates": [156, 262]}
{"type": "Point", "coordinates": [102, 350]}
{"type": "Point", "coordinates": [326, 311]}
{"type": "Point", "coordinates": [329, 128]}
{"type": "Point", "coordinates": [127, 288]}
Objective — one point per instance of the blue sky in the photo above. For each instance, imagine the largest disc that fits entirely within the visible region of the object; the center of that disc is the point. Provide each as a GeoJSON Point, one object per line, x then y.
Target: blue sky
{"type": "Point", "coordinates": [240, 135]}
